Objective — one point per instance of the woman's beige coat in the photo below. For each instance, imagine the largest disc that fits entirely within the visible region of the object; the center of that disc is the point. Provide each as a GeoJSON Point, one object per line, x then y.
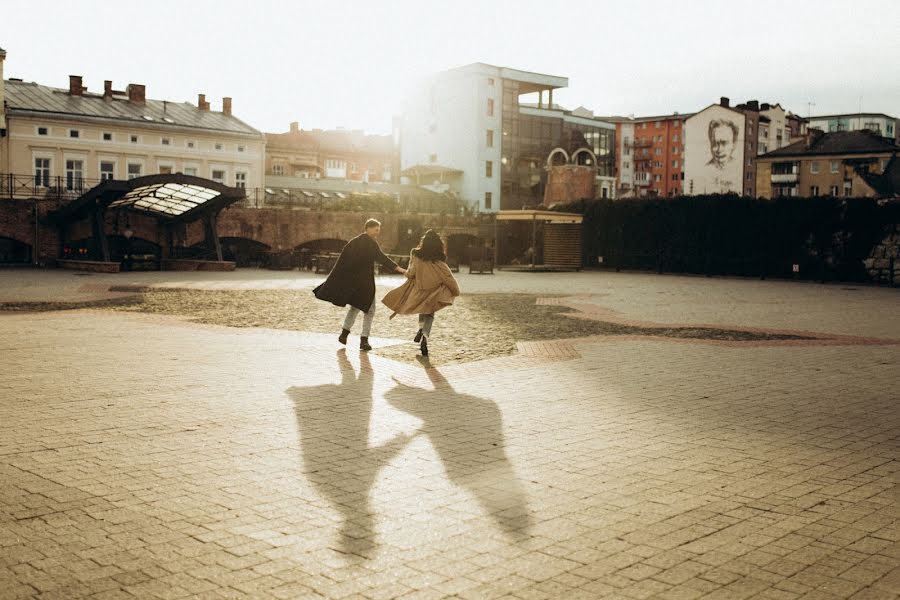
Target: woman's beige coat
{"type": "Point", "coordinates": [430, 287]}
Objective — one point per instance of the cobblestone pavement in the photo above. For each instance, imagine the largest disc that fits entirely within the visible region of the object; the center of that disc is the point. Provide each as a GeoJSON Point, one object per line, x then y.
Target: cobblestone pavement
{"type": "Point", "coordinates": [143, 456]}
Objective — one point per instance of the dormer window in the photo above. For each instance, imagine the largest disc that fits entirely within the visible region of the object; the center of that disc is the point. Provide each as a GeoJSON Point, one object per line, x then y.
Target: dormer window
{"type": "Point", "coordinates": [42, 131]}
{"type": "Point", "coordinates": [166, 142]}
{"type": "Point", "coordinates": [74, 133]}
{"type": "Point", "coordinates": [218, 146]}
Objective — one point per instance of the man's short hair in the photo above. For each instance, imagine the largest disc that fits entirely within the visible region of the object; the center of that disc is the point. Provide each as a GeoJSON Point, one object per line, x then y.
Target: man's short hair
{"type": "Point", "coordinates": [373, 223]}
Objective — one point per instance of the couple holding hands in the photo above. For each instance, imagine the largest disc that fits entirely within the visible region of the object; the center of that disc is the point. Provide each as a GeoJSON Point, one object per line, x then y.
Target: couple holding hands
{"type": "Point", "coordinates": [429, 287]}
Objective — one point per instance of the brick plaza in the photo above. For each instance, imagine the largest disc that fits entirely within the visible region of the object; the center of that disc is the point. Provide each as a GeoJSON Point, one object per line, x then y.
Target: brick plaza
{"type": "Point", "coordinates": [145, 456]}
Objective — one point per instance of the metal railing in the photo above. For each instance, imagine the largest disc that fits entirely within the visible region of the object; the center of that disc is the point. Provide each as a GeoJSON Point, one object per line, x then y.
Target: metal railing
{"type": "Point", "coordinates": [42, 186]}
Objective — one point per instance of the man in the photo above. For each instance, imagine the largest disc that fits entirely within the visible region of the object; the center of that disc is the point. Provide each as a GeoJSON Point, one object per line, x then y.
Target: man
{"type": "Point", "coordinates": [723, 137]}
{"type": "Point", "coordinates": [352, 281]}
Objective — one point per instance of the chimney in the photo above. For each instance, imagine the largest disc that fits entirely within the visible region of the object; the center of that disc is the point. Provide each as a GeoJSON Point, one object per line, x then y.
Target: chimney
{"type": "Point", "coordinates": [226, 106]}
{"type": "Point", "coordinates": [136, 93]}
{"type": "Point", "coordinates": [75, 87]}
{"type": "Point", "coordinates": [812, 136]}
{"type": "Point", "coordinates": [295, 127]}
{"type": "Point", "coordinates": [753, 104]}
{"type": "Point", "coordinates": [723, 101]}
{"type": "Point", "coordinates": [107, 90]}
{"type": "Point", "coordinates": [765, 106]}
{"type": "Point", "coordinates": [202, 104]}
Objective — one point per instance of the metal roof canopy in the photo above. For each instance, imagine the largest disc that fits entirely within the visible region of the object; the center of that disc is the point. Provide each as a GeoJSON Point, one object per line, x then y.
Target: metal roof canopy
{"type": "Point", "coordinates": [539, 215]}
{"type": "Point", "coordinates": [180, 198]}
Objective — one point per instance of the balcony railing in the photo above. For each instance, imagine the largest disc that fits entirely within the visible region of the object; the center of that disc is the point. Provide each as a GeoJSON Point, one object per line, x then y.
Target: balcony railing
{"type": "Point", "coordinates": [44, 187]}
{"type": "Point", "coordinates": [784, 178]}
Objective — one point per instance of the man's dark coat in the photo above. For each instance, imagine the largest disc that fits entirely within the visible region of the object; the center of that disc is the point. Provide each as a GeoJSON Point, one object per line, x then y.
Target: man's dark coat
{"type": "Point", "coordinates": [352, 280]}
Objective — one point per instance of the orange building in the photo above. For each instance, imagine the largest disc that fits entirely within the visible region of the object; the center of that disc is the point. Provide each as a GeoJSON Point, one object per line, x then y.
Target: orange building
{"type": "Point", "coordinates": [650, 157]}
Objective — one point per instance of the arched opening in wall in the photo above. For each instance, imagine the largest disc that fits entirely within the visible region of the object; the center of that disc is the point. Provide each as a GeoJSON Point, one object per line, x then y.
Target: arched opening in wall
{"type": "Point", "coordinates": [584, 157]}
{"type": "Point", "coordinates": [135, 253]}
{"type": "Point", "coordinates": [557, 158]}
{"type": "Point", "coordinates": [459, 245]}
{"type": "Point", "coordinates": [244, 252]}
{"type": "Point", "coordinates": [14, 252]}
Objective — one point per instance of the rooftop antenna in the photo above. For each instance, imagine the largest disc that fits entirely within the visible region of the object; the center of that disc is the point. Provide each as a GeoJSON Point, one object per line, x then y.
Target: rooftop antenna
{"type": "Point", "coordinates": [809, 106]}
{"type": "Point", "coordinates": [860, 104]}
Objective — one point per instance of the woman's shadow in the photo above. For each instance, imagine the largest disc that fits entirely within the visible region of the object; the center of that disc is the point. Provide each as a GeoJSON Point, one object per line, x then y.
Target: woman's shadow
{"type": "Point", "coordinates": [467, 434]}
{"type": "Point", "coordinates": [333, 421]}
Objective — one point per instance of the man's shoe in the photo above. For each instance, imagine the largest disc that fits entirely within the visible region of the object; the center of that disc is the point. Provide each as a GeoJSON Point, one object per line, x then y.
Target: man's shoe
{"type": "Point", "coordinates": [418, 337]}
{"type": "Point", "coordinates": [343, 337]}
{"type": "Point", "coordinates": [423, 346]}
{"type": "Point", "coordinates": [364, 344]}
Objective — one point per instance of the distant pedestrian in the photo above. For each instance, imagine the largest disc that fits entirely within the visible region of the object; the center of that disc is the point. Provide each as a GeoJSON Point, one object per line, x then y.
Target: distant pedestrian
{"type": "Point", "coordinates": [352, 281]}
{"type": "Point", "coordinates": [430, 286]}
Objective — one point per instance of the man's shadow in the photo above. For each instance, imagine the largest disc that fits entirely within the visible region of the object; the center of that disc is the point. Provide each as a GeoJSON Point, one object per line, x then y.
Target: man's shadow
{"type": "Point", "coordinates": [333, 421]}
{"type": "Point", "coordinates": [467, 434]}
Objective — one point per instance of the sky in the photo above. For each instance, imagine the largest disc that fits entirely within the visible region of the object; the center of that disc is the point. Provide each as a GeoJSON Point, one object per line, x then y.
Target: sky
{"type": "Point", "coordinates": [351, 64]}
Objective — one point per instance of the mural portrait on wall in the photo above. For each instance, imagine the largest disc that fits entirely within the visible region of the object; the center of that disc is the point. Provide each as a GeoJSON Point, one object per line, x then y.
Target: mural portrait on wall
{"type": "Point", "coordinates": [723, 135]}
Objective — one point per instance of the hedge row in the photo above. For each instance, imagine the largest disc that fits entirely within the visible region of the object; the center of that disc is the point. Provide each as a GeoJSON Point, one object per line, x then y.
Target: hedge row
{"type": "Point", "coordinates": [825, 237]}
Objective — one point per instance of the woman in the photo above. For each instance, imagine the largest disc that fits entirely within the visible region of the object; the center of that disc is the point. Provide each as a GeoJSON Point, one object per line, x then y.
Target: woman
{"type": "Point", "coordinates": [430, 286]}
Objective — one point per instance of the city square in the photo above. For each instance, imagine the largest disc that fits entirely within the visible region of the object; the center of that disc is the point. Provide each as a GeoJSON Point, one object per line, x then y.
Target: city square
{"type": "Point", "coordinates": [690, 437]}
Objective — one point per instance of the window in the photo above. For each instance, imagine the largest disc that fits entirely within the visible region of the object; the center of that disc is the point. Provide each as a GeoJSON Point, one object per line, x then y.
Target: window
{"type": "Point", "coordinates": [488, 168]}
{"type": "Point", "coordinates": [657, 151]}
{"type": "Point", "coordinates": [42, 131]}
{"type": "Point", "coordinates": [134, 139]}
{"type": "Point", "coordinates": [190, 171]}
{"type": "Point", "coordinates": [848, 188]}
{"type": "Point", "coordinates": [135, 170]}
{"type": "Point", "coordinates": [490, 107]}
{"type": "Point", "coordinates": [488, 199]}
{"type": "Point", "coordinates": [677, 123]}
{"type": "Point", "coordinates": [42, 172]}
{"type": "Point", "coordinates": [277, 169]}
{"type": "Point", "coordinates": [658, 124]}
{"type": "Point", "coordinates": [165, 170]}
{"type": "Point", "coordinates": [489, 142]}
{"type": "Point", "coordinates": [107, 169]}
{"type": "Point", "coordinates": [165, 142]}
{"type": "Point", "coordinates": [813, 190]}
{"type": "Point", "coordinates": [657, 177]}
{"type": "Point", "coordinates": [674, 176]}
{"type": "Point", "coordinates": [749, 176]}
{"type": "Point", "coordinates": [626, 165]}
{"type": "Point", "coordinates": [490, 81]}
{"type": "Point", "coordinates": [833, 190]}
{"type": "Point", "coordinates": [240, 179]}
{"type": "Point", "coordinates": [240, 148]}
{"type": "Point", "coordinates": [74, 133]}
{"type": "Point", "coordinates": [674, 149]}
{"type": "Point", "coordinates": [833, 166]}
{"type": "Point", "coordinates": [107, 136]}
{"type": "Point", "coordinates": [675, 164]}
{"type": "Point", "coordinates": [675, 138]}
{"type": "Point", "coordinates": [191, 144]}
{"type": "Point", "coordinates": [814, 166]}
{"type": "Point", "coordinates": [218, 146]}
{"type": "Point", "coordinates": [218, 175]}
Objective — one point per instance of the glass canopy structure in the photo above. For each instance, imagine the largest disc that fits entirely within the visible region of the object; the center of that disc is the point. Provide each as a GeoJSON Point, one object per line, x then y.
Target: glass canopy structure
{"type": "Point", "coordinates": [170, 198]}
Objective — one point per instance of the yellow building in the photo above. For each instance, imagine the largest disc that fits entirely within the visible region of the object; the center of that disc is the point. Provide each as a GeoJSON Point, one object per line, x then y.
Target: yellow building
{"type": "Point", "coordinates": [846, 163]}
{"type": "Point", "coordinates": [70, 139]}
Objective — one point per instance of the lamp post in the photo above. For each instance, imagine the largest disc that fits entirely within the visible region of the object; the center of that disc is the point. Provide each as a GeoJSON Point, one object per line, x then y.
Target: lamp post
{"type": "Point", "coordinates": [129, 261]}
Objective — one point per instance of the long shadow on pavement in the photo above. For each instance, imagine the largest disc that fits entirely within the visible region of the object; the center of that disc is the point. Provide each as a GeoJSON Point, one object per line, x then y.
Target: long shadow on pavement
{"type": "Point", "coordinates": [333, 421]}
{"type": "Point", "coordinates": [467, 433]}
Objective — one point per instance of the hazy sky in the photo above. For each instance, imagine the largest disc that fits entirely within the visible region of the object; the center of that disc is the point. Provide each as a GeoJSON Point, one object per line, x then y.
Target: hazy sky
{"type": "Point", "coordinates": [350, 64]}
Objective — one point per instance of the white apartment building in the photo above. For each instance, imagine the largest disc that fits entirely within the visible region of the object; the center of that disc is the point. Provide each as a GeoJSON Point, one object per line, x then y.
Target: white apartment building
{"type": "Point", "coordinates": [461, 126]}
{"type": "Point", "coordinates": [882, 124]}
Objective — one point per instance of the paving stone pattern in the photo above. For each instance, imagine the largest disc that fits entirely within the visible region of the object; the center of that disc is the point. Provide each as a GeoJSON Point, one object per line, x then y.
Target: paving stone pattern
{"type": "Point", "coordinates": [144, 456]}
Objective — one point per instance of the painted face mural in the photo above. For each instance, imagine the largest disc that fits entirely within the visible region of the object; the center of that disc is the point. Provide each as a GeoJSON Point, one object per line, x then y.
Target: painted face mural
{"type": "Point", "coordinates": [722, 141]}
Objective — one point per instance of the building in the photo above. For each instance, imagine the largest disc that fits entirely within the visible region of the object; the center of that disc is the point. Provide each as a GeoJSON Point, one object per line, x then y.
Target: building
{"type": "Point", "coordinates": [842, 163]}
{"type": "Point", "coordinates": [717, 150]}
{"type": "Point", "coordinates": [724, 141]}
{"type": "Point", "coordinates": [67, 140]}
{"type": "Point", "coordinates": [491, 133]}
{"type": "Point", "coordinates": [882, 124]}
{"type": "Point", "coordinates": [334, 154]}
{"type": "Point", "coordinates": [650, 155]}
